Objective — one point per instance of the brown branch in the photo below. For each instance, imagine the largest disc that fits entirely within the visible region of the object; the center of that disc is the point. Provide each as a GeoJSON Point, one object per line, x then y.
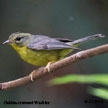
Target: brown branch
{"type": "Point", "coordinates": [41, 72]}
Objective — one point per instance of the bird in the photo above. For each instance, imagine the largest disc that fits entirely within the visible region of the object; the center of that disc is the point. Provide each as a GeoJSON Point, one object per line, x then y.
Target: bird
{"type": "Point", "coordinates": [40, 50]}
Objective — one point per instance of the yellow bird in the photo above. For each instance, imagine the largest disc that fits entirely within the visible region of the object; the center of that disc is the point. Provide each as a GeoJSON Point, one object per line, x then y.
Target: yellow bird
{"type": "Point", "coordinates": [42, 50]}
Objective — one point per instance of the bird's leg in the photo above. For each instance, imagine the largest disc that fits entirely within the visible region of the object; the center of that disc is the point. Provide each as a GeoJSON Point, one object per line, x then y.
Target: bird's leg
{"type": "Point", "coordinates": [48, 66]}
{"type": "Point", "coordinates": [31, 76]}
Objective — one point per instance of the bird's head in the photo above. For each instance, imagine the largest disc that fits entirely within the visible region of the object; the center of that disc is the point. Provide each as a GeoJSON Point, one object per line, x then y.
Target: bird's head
{"type": "Point", "coordinates": [18, 39]}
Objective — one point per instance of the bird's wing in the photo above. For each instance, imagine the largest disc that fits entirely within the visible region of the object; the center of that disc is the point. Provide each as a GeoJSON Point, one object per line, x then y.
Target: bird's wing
{"type": "Point", "coordinates": [63, 40]}
{"type": "Point", "coordinates": [39, 42]}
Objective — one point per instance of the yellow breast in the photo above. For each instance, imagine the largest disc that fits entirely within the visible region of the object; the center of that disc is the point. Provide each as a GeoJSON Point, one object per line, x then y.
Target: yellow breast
{"type": "Point", "coordinates": [40, 57]}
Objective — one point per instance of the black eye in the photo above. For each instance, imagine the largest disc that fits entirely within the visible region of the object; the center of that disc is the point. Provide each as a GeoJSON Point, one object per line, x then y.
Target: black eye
{"type": "Point", "coordinates": [18, 38]}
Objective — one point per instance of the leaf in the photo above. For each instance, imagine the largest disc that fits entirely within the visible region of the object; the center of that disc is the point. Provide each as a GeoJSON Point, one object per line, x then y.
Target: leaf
{"type": "Point", "coordinates": [96, 78]}
{"type": "Point", "coordinates": [89, 79]}
{"type": "Point", "coordinates": [100, 92]}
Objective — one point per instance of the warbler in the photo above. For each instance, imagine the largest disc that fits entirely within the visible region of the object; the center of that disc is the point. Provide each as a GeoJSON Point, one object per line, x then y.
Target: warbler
{"type": "Point", "coordinates": [42, 50]}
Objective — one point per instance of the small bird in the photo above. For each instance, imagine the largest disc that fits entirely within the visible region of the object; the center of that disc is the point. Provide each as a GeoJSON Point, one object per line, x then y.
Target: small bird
{"type": "Point", "coordinates": [42, 50]}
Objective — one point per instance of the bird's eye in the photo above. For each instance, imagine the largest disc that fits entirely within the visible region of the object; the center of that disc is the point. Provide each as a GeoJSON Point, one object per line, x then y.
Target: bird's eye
{"type": "Point", "coordinates": [18, 38]}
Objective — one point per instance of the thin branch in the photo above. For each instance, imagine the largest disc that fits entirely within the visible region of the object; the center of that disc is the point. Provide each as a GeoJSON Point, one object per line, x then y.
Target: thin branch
{"type": "Point", "coordinates": [41, 72]}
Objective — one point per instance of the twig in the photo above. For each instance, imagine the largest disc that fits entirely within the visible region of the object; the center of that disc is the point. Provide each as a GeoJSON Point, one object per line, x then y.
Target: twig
{"type": "Point", "coordinates": [41, 72]}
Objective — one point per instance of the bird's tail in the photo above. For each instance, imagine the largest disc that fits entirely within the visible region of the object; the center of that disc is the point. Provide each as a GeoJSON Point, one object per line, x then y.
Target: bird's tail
{"type": "Point", "coordinates": [85, 39]}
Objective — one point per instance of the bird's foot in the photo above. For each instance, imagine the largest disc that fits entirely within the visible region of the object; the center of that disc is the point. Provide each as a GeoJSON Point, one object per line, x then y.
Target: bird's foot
{"type": "Point", "coordinates": [48, 66]}
{"type": "Point", "coordinates": [31, 77]}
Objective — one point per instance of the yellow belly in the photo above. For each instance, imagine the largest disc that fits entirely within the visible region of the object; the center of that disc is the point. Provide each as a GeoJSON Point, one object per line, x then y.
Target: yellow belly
{"type": "Point", "coordinates": [41, 57]}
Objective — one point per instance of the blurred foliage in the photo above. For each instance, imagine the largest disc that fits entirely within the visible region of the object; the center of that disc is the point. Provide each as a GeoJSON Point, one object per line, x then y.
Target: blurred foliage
{"type": "Point", "coordinates": [88, 79]}
{"type": "Point", "coordinates": [97, 78]}
{"type": "Point", "coordinates": [100, 92]}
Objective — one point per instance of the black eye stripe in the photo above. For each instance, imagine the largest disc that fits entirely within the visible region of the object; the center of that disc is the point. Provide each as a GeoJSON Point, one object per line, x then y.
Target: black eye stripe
{"type": "Point", "coordinates": [18, 38]}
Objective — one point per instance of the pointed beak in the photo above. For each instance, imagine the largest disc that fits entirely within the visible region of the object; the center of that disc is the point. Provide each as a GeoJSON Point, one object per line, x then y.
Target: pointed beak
{"type": "Point", "coordinates": [6, 42]}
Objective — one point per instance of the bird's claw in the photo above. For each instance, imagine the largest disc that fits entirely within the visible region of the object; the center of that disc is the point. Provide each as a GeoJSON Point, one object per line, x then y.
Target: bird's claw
{"type": "Point", "coordinates": [31, 77]}
{"type": "Point", "coordinates": [48, 66]}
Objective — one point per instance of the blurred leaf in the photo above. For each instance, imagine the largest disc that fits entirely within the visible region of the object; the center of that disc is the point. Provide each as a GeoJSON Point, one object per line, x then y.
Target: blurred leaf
{"type": "Point", "coordinates": [97, 78]}
{"type": "Point", "coordinates": [100, 92]}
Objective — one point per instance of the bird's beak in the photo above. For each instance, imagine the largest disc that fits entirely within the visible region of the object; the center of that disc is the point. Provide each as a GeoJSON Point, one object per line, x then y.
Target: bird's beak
{"type": "Point", "coordinates": [6, 42]}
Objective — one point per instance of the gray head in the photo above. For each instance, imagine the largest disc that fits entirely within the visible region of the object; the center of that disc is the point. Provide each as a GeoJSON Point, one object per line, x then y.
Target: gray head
{"type": "Point", "coordinates": [18, 38]}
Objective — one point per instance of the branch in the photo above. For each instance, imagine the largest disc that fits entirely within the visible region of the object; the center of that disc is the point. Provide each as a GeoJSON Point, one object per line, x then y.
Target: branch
{"type": "Point", "coordinates": [41, 72]}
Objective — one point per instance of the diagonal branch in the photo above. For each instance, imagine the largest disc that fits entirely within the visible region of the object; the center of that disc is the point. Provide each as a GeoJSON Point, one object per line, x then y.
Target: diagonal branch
{"type": "Point", "coordinates": [41, 72]}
